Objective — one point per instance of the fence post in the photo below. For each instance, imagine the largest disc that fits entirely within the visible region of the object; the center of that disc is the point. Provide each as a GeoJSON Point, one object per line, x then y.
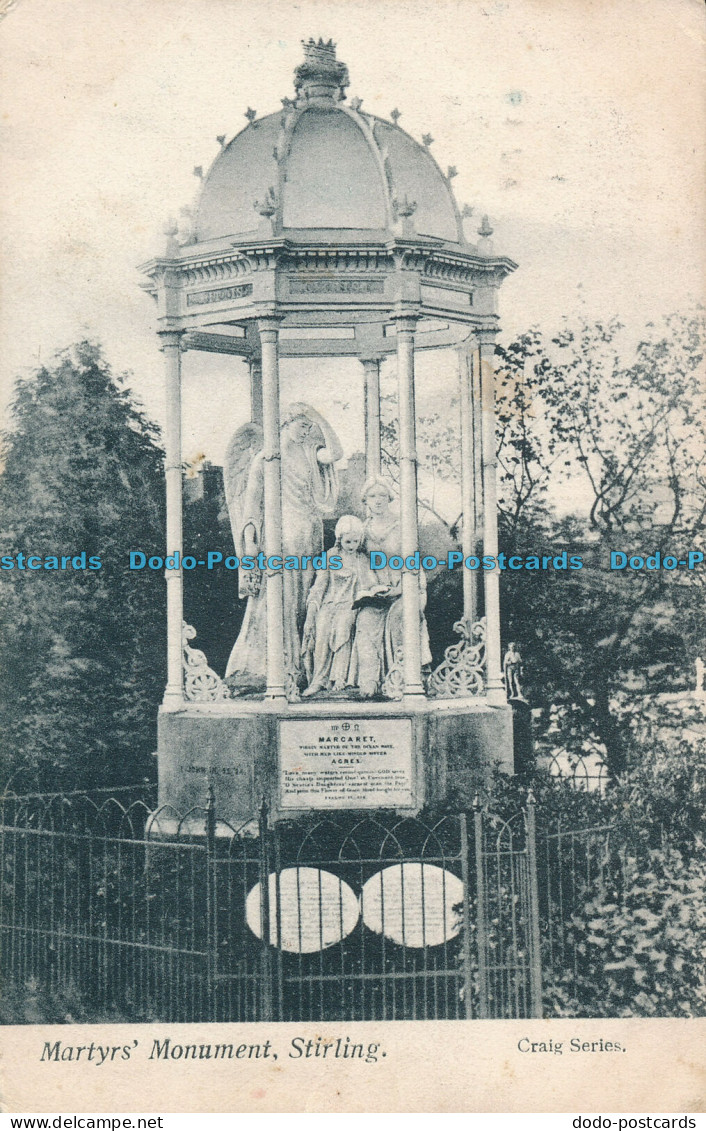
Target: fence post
{"type": "Point", "coordinates": [266, 1013]}
{"type": "Point", "coordinates": [279, 966]}
{"type": "Point", "coordinates": [481, 913]}
{"type": "Point", "coordinates": [211, 904]}
{"type": "Point", "coordinates": [535, 942]}
{"type": "Point", "coordinates": [467, 970]}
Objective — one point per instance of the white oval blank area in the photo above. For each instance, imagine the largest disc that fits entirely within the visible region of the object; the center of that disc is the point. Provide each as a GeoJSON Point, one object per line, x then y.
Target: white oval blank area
{"type": "Point", "coordinates": [418, 902]}
{"type": "Point", "coordinates": [317, 909]}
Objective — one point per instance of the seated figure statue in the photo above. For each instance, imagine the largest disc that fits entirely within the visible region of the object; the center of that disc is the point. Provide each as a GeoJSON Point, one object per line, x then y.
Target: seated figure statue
{"type": "Point", "coordinates": [331, 612]}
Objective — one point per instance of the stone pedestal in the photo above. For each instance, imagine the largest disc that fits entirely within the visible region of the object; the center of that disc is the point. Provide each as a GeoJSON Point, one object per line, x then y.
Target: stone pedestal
{"type": "Point", "coordinates": [327, 756]}
{"type": "Point", "coordinates": [523, 739]}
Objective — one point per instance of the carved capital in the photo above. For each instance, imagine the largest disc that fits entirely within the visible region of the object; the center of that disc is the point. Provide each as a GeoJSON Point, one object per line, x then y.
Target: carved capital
{"type": "Point", "coordinates": [486, 337]}
{"type": "Point", "coordinates": [268, 328]}
{"type": "Point", "coordinates": [405, 320]}
{"type": "Point", "coordinates": [372, 362]}
{"type": "Point", "coordinates": [171, 339]}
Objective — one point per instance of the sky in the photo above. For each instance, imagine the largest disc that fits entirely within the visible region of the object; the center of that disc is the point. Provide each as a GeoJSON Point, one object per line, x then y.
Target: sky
{"type": "Point", "coordinates": [577, 125]}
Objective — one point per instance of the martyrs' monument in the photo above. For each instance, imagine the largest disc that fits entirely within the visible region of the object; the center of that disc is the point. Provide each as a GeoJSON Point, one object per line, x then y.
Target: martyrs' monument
{"type": "Point", "coordinates": [323, 231]}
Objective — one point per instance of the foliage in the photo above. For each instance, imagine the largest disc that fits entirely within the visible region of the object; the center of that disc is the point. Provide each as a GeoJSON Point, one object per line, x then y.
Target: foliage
{"type": "Point", "coordinates": [83, 647]}
{"type": "Point", "coordinates": [34, 1004]}
{"type": "Point", "coordinates": [664, 791]}
{"type": "Point", "coordinates": [524, 458]}
{"type": "Point", "coordinates": [625, 424]}
{"type": "Point", "coordinates": [211, 601]}
{"type": "Point", "coordinates": [634, 427]}
{"type": "Point", "coordinates": [640, 943]}
{"type": "Point", "coordinates": [660, 798]}
{"type": "Point", "coordinates": [618, 426]}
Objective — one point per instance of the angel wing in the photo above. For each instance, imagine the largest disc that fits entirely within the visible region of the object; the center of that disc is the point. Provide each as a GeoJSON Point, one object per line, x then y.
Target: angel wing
{"type": "Point", "coordinates": [243, 445]}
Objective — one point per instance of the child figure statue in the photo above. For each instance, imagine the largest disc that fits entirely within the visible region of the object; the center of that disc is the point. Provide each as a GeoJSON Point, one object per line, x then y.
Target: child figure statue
{"type": "Point", "coordinates": [330, 618]}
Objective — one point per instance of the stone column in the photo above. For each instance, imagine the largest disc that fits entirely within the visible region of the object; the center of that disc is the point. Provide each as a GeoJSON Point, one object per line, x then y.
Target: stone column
{"type": "Point", "coordinates": [408, 503]}
{"type": "Point", "coordinates": [171, 348]}
{"type": "Point", "coordinates": [255, 369]}
{"type": "Point", "coordinates": [269, 339]}
{"type": "Point", "coordinates": [491, 577]}
{"type": "Point", "coordinates": [477, 421]}
{"type": "Point", "coordinates": [468, 483]}
{"type": "Point", "coordinates": [373, 456]}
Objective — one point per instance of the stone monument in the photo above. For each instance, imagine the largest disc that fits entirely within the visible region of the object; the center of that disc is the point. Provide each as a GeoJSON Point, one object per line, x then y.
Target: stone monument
{"type": "Point", "coordinates": [323, 231]}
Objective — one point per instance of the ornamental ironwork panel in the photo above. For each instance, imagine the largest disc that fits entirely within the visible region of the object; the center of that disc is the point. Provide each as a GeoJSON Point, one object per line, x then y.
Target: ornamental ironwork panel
{"type": "Point", "coordinates": [462, 671]}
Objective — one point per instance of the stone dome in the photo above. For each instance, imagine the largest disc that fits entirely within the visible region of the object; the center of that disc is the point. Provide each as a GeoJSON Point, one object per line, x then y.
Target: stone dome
{"type": "Point", "coordinates": [320, 164]}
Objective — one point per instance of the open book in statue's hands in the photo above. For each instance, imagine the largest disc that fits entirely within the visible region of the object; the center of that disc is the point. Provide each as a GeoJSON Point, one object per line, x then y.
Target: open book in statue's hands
{"type": "Point", "coordinates": [379, 598]}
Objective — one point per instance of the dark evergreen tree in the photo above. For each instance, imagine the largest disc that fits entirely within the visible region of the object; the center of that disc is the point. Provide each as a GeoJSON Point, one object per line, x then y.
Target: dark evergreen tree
{"type": "Point", "coordinates": [84, 665]}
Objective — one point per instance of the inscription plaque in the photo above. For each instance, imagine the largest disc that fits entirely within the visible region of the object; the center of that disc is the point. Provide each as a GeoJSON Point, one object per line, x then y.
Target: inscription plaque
{"type": "Point", "coordinates": [413, 904]}
{"type": "Point", "coordinates": [309, 909]}
{"type": "Point", "coordinates": [201, 298]}
{"type": "Point", "coordinates": [445, 295]}
{"type": "Point", "coordinates": [341, 764]}
{"type": "Point", "coordinates": [334, 285]}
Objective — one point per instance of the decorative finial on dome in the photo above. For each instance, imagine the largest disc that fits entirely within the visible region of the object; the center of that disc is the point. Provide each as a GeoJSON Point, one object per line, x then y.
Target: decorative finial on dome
{"type": "Point", "coordinates": [395, 115]}
{"type": "Point", "coordinates": [466, 211]}
{"type": "Point", "coordinates": [251, 115]}
{"type": "Point", "coordinates": [427, 139]}
{"type": "Point", "coordinates": [321, 75]}
{"type": "Point", "coordinates": [221, 139]}
{"type": "Point", "coordinates": [485, 244]}
{"type": "Point", "coordinates": [451, 172]}
{"type": "Point", "coordinates": [198, 171]}
{"type": "Point", "coordinates": [356, 104]}
{"type": "Point", "coordinates": [171, 231]}
{"type": "Point", "coordinates": [187, 225]}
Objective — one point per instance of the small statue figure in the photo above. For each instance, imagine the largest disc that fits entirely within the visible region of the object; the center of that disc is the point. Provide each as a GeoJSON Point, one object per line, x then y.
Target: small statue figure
{"type": "Point", "coordinates": [330, 619]}
{"type": "Point", "coordinates": [513, 671]}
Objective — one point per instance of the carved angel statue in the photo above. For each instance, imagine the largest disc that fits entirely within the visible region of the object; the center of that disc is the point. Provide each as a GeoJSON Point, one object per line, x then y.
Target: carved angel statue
{"type": "Point", "coordinates": [310, 450]}
{"type": "Point", "coordinates": [242, 448]}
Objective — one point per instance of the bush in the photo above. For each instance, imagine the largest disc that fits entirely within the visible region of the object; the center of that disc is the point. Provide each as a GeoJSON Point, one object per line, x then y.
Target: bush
{"type": "Point", "coordinates": [640, 943]}
{"type": "Point", "coordinates": [34, 1004]}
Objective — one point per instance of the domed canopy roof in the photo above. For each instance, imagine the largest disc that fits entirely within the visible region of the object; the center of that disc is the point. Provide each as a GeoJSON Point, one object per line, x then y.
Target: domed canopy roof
{"type": "Point", "coordinates": [321, 165]}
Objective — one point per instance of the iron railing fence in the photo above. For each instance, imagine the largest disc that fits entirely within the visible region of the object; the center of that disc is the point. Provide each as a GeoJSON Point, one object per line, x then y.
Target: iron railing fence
{"type": "Point", "coordinates": [401, 895]}
{"type": "Point", "coordinates": [572, 865]}
{"type": "Point", "coordinates": [585, 774]}
{"type": "Point", "coordinates": [506, 918]}
{"type": "Point", "coordinates": [84, 907]}
{"type": "Point", "coordinates": [150, 916]}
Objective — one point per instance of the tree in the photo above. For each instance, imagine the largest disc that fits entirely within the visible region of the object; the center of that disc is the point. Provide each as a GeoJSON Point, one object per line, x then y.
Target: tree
{"type": "Point", "coordinates": [83, 647]}
{"type": "Point", "coordinates": [620, 426]}
{"type": "Point", "coordinates": [624, 424]}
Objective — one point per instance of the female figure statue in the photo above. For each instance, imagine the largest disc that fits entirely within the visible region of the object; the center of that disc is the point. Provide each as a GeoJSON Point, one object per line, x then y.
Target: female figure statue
{"type": "Point", "coordinates": [331, 611]}
{"type": "Point", "coordinates": [379, 628]}
{"type": "Point", "coordinates": [310, 449]}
